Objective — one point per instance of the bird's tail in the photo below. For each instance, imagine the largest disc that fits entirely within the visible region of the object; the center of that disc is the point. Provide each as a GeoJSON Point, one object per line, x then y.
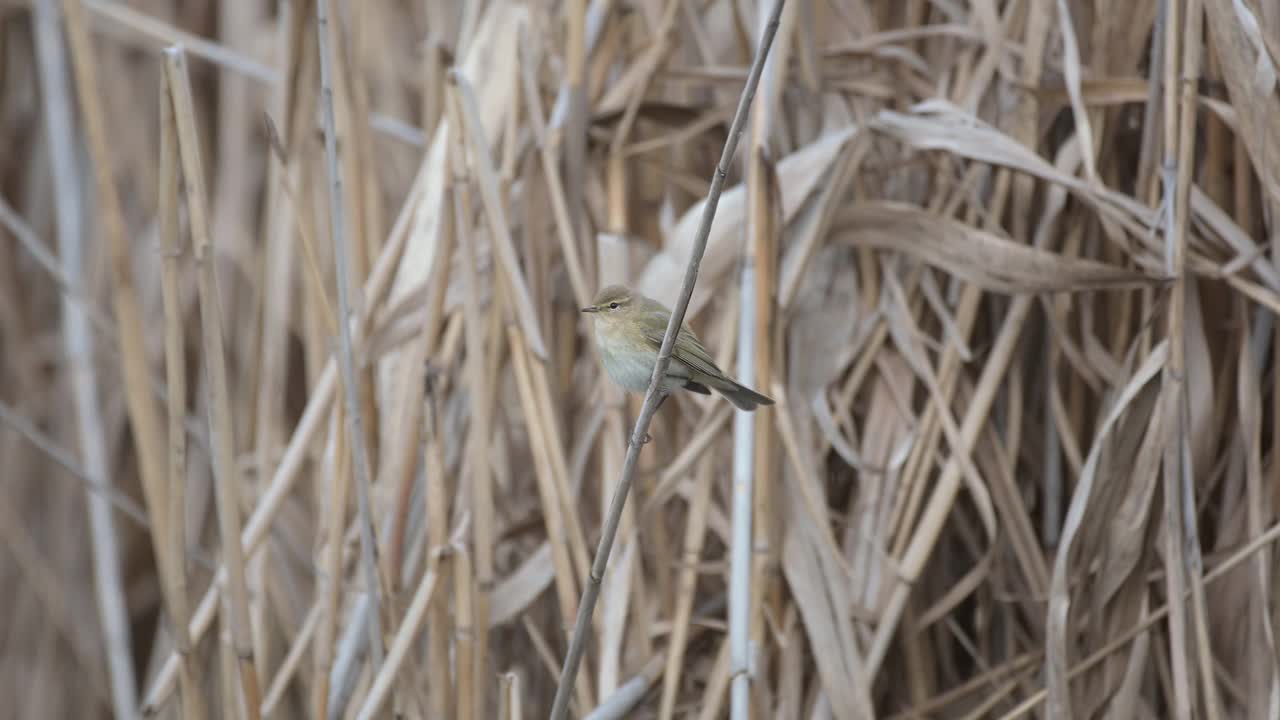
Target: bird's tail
{"type": "Point", "coordinates": [742, 397]}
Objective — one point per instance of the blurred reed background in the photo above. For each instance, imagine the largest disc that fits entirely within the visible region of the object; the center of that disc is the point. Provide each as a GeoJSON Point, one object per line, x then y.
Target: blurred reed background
{"type": "Point", "coordinates": [1009, 267]}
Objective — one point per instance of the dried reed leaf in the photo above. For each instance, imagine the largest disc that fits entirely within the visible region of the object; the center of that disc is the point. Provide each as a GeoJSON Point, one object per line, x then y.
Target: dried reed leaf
{"type": "Point", "coordinates": [1250, 73]}
{"type": "Point", "coordinates": [1057, 661]}
{"type": "Point", "coordinates": [980, 257]}
{"type": "Point", "coordinates": [515, 592]}
{"type": "Point", "coordinates": [1123, 544]}
{"type": "Point", "coordinates": [1264, 671]}
{"type": "Point", "coordinates": [885, 443]}
{"type": "Point", "coordinates": [823, 606]}
{"type": "Point", "coordinates": [829, 320]}
{"type": "Point", "coordinates": [1072, 71]}
{"type": "Point", "coordinates": [939, 125]}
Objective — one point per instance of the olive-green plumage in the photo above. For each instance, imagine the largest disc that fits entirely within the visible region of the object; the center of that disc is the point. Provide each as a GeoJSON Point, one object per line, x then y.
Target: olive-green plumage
{"type": "Point", "coordinates": [629, 329]}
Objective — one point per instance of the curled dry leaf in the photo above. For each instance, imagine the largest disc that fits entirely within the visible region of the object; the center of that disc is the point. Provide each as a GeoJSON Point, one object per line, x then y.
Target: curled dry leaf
{"type": "Point", "coordinates": [885, 443]}
{"type": "Point", "coordinates": [1057, 652]}
{"type": "Point", "coordinates": [824, 604]}
{"type": "Point", "coordinates": [1250, 73]}
{"type": "Point", "coordinates": [983, 258]}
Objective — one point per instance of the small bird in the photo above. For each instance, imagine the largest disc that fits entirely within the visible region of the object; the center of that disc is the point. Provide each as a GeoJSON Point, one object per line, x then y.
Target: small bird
{"type": "Point", "coordinates": [629, 329]}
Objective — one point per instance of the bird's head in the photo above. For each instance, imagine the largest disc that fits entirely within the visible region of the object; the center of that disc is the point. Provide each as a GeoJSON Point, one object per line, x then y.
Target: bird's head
{"type": "Point", "coordinates": [614, 299]}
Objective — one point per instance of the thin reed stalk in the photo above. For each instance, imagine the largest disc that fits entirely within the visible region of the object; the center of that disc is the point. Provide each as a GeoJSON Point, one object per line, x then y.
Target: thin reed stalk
{"type": "Point", "coordinates": [694, 539]}
{"type": "Point", "coordinates": [346, 351]}
{"type": "Point", "coordinates": [742, 508]}
{"type": "Point", "coordinates": [478, 432]}
{"type": "Point", "coordinates": [173, 251]}
{"type": "Point", "coordinates": [652, 397]}
{"type": "Point", "coordinates": [79, 344]}
{"type": "Point", "coordinates": [404, 636]}
{"type": "Point", "coordinates": [226, 470]}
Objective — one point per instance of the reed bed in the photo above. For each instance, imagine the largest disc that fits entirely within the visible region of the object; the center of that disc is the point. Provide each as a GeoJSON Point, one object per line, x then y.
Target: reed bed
{"type": "Point", "coordinates": [299, 418]}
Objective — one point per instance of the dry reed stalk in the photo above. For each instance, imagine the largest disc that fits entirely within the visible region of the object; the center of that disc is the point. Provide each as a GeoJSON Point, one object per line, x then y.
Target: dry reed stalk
{"type": "Point", "coordinates": [652, 397]}
{"type": "Point", "coordinates": [33, 246]}
{"type": "Point", "coordinates": [500, 233]}
{"type": "Point", "coordinates": [1263, 678]}
{"type": "Point", "coordinates": [742, 507]}
{"type": "Point", "coordinates": [540, 646]}
{"type": "Point", "coordinates": [713, 697]}
{"type": "Point", "coordinates": [345, 272]}
{"type": "Point", "coordinates": [226, 472]}
{"type": "Point", "coordinates": [280, 220]}
{"type": "Point", "coordinates": [308, 237]}
{"type": "Point", "coordinates": [348, 681]}
{"type": "Point", "coordinates": [230, 196]}
{"type": "Point", "coordinates": [405, 635]}
{"type": "Point", "coordinates": [288, 669]}
{"type": "Point", "coordinates": [108, 581]}
{"type": "Point", "coordinates": [163, 35]}
{"type": "Point", "coordinates": [1190, 70]}
{"type": "Point", "coordinates": [124, 295]}
{"type": "Point", "coordinates": [574, 118]}
{"type": "Point", "coordinates": [172, 251]}
{"type": "Point", "coordinates": [809, 494]}
{"type": "Point", "coordinates": [433, 71]}
{"type": "Point", "coordinates": [333, 512]}
{"type": "Point", "coordinates": [694, 539]}
{"type": "Point", "coordinates": [1184, 691]}
{"type": "Point", "coordinates": [553, 510]}
{"type": "Point", "coordinates": [764, 203]}
{"type": "Point", "coordinates": [41, 441]}
{"type": "Point", "coordinates": [352, 113]}
{"type": "Point", "coordinates": [764, 208]}
{"type": "Point", "coordinates": [437, 513]}
{"type": "Point", "coordinates": [551, 171]}
{"type": "Point", "coordinates": [624, 700]}
{"type": "Point", "coordinates": [479, 429]}
{"type": "Point", "coordinates": [464, 690]}
{"type": "Point", "coordinates": [575, 536]}
{"type": "Point", "coordinates": [229, 694]}
{"type": "Point", "coordinates": [510, 706]}
{"type": "Point", "coordinates": [614, 267]}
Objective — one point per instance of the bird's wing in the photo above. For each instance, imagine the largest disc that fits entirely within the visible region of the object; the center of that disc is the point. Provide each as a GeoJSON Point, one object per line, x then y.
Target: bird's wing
{"type": "Point", "coordinates": [692, 353]}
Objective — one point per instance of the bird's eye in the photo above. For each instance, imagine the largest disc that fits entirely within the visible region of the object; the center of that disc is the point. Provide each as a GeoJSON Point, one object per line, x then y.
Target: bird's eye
{"type": "Point", "coordinates": [613, 306]}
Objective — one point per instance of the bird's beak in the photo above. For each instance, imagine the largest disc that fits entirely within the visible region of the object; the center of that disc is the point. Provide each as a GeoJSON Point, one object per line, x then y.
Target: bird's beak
{"type": "Point", "coordinates": [590, 309]}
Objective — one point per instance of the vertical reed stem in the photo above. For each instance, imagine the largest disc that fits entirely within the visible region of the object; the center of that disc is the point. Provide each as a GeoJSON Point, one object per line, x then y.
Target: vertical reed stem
{"type": "Point", "coordinates": [346, 353]}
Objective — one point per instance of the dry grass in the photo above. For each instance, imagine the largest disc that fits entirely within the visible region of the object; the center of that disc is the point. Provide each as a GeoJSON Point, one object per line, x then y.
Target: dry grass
{"type": "Point", "coordinates": [1007, 272]}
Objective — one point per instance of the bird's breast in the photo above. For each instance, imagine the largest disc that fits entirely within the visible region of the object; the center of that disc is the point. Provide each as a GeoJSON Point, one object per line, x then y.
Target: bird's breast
{"type": "Point", "coordinates": [629, 363]}
{"type": "Point", "coordinates": [627, 367]}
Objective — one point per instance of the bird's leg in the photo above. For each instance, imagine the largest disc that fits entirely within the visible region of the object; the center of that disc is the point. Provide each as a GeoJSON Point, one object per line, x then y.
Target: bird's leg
{"type": "Point", "coordinates": [647, 437]}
